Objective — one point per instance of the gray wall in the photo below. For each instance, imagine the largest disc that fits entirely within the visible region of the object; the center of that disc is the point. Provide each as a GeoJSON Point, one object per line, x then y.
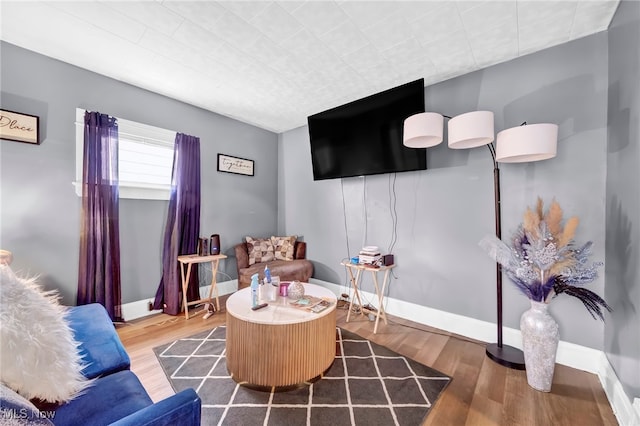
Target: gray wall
{"type": "Point", "coordinates": [39, 219]}
{"type": "Point", "coordinates": [444, 211]}
{"type": "Point", "coordinates": [622, 332]}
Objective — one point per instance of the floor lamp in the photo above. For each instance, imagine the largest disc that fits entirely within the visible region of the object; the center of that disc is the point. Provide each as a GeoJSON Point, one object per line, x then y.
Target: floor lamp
{"type": "Point", "coordinates": [525, 143]}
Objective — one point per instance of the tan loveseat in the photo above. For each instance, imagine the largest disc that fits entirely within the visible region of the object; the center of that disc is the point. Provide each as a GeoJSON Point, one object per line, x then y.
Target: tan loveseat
{"type": "Point", "coordinates": [299, 268]}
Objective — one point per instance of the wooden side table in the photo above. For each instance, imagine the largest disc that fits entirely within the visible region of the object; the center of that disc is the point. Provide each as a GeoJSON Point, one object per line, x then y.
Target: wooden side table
{"type": "Point", "coordinates": [187, 261]}
{"type": "Point", "coordinates": [357, 280]}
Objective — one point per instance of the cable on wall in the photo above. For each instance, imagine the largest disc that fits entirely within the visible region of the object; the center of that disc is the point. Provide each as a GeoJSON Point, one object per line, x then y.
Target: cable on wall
{"type": "Point", "coordinates": [364, 210]}
{"type": "Point", "coordinates": [393, 201]}
{"type": "Point", "coordinates": [345, 284]}
{"type": "Point", "coordinates": [344, 217]}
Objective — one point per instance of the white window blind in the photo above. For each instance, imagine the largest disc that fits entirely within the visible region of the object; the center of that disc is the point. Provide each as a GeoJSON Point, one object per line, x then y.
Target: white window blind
{"type": "Point", "coordinates": [145, 159]}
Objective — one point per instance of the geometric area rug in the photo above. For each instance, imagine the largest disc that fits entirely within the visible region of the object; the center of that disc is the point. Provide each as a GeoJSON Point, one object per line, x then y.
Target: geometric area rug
{"type": "Point", "coordinates": [367, 384]}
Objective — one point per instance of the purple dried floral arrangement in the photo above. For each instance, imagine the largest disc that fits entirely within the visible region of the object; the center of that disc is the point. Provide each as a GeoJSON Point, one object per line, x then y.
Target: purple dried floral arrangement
{"type": "Point", "coordinates": [542, 261]}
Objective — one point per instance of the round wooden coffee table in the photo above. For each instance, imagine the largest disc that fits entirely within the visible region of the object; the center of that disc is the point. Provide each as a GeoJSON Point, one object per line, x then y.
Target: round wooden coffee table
{"type": "Point", "coordinates": [280, 345]}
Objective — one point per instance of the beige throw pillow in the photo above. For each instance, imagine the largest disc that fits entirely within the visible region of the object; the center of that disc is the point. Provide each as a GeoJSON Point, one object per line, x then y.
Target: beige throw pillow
{"type": "Point", "coordinates": [283, 247]}
{"type": "Point", "coordinates": [259, 250]}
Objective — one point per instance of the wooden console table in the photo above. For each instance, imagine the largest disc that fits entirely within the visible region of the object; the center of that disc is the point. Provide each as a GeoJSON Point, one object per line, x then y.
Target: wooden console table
{"type": "Point", "coordinates": [187, 261]}
{"type": "Point", "coordinates": [357, 280]}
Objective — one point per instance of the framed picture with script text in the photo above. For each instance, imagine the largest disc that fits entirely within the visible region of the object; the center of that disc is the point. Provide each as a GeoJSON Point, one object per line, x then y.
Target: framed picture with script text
{"type": "Point", "coordinates": [15, 126]}
{"type": "Point", "coordinates": [229, 164]}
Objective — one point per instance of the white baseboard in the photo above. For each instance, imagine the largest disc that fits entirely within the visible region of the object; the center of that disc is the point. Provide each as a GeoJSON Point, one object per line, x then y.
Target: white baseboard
{"type": "Point", "coordinates": [140, 308]}
{"type": "Point", "coordinates": [569, 354]}
{"type": "Point", "coordinates": [627, 414]}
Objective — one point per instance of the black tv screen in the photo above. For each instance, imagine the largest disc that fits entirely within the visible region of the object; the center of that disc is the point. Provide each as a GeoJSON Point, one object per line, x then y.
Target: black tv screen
{"type": "Point", "coordinates": [364, 137]}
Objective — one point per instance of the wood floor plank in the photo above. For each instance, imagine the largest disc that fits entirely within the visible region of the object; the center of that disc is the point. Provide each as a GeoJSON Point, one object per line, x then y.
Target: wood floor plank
{"type": "Point", "coordinates": [481, 392]}
{"type": "Point", "coordinates": [491, 380]}
{"type": "Point", "coordinates": [483, 411]}
{"type": "Point", "coordinates": [518, 404]}
{"type": "Point", "coordinates": [456, 400]}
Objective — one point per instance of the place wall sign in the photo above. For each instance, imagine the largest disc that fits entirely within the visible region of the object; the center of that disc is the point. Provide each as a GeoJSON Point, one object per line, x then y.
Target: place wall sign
{"type": "Point", "coordinates": [15, 126]}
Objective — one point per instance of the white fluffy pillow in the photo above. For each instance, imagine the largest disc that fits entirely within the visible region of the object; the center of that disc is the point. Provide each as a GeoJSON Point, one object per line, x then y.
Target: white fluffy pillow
{"type": "Point", "coordinates": [38, 354]}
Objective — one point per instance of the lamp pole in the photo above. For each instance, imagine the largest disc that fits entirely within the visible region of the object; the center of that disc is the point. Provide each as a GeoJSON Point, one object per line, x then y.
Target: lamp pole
{"type": "Point", "coordinates": [505, 355]}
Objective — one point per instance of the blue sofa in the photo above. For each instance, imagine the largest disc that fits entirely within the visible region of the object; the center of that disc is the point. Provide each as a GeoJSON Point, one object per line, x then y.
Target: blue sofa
{"type": "Point", "coordinates": [116, 397]}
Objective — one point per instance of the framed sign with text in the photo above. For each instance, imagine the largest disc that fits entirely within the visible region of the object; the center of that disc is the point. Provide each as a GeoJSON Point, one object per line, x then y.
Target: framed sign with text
{"type": "Point", "coordinates": [15, 126]}
{"type": "Point", "coordinates": [229, 164]}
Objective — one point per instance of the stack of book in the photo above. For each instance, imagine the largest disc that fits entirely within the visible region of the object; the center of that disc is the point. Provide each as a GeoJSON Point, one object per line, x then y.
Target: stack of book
{"type": "Point", "coordinates": [369, 255]}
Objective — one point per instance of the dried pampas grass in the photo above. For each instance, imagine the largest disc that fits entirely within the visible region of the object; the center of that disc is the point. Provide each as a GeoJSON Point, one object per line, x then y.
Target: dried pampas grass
{"type": "Point", "coordinates": [569, 231]}
{"type": "Point", "coordinates": [562, 234]}
{"type": "Point", "coordinates": [531, 223]}
{"type": "Point", "coordinates": [553, 219]}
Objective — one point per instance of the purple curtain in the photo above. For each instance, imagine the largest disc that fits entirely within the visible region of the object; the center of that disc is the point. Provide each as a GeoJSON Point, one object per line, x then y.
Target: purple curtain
{"type": "Point", "coordinates": [183, 225]}
{"type": "Point", "coordinates": [99, 266]}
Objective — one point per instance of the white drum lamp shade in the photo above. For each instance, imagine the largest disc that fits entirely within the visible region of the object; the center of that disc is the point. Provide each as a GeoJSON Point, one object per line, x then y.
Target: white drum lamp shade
{"type": "Point", "coordinates": [531, 142]}
{"type": "Point", "coordinates": [423, 130]}
{"type": "Point", "coordinates": [471, 130]}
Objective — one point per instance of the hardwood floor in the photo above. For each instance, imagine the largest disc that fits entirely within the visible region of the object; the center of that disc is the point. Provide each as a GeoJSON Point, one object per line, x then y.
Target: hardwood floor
{"type": "Point", "coordinates": [481, 392]}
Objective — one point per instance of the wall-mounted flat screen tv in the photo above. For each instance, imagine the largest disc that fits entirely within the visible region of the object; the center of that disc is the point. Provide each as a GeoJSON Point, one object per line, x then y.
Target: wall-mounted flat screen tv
{"type": "Point", "coordinates": [364, 137]}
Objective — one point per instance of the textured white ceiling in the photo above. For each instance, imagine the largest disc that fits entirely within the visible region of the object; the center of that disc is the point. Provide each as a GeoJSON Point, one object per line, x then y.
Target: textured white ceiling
{"type": "Point", "coordinates": [273, 63]}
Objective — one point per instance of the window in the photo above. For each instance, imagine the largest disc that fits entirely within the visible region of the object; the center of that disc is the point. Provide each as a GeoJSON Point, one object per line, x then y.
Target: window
{"type": "Point", "coordinates": [145, 159]}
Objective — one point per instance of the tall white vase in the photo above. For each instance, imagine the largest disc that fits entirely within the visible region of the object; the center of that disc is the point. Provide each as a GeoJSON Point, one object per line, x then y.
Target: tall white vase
{"type": "Point", "coordinates": [540, 338]}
